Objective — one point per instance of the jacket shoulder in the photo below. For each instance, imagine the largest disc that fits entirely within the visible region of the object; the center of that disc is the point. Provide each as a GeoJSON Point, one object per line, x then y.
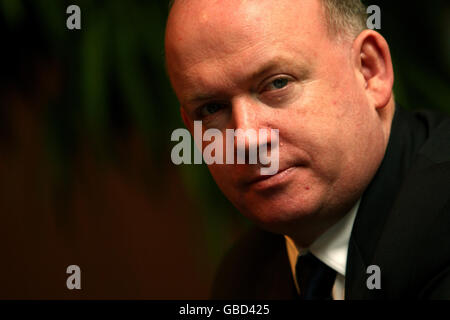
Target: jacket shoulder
{"type": "Point", "coordinates": [414, 249]}
{"type": "Point", "coordinates": [436, 146]}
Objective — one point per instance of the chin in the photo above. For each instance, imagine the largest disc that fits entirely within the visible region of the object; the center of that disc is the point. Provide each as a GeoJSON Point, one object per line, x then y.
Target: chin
{"type": "Point", "coordinates": [279, 213]}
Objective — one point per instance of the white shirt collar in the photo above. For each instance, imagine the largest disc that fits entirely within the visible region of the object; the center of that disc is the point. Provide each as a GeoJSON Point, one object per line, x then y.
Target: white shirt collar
{"type": "Point", "coordinates": [331, 247]}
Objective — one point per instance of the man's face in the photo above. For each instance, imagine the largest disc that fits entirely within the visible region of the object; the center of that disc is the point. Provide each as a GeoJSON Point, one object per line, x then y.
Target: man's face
{"type": "Point", "coordinates": [271, 64]}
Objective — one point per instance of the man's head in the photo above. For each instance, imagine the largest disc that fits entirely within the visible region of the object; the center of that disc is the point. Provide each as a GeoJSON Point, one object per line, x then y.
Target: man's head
{"type": "Point", "coordinates": [299, 66]}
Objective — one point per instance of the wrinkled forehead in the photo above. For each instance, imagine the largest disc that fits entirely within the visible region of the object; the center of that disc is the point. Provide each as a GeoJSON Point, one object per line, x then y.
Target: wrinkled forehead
{"type": "Point", "coordinates": [205, 29]}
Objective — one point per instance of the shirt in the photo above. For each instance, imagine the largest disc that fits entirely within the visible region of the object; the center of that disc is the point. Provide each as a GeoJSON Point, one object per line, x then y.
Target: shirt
{"type": "Point", "coordinates": [330, 248]}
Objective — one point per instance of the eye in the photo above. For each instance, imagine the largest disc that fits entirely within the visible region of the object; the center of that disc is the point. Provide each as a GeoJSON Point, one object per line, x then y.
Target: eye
{"type": "Point", "coordinates": [277, 84]}
{"type": "Point", "coordinates": [210, 108]}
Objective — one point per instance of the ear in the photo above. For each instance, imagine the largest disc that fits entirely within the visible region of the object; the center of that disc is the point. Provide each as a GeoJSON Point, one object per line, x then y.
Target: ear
{"type": "Point", "coordinates": [186, 120]}
{"type": "Point", "coordinates": [373, 65]}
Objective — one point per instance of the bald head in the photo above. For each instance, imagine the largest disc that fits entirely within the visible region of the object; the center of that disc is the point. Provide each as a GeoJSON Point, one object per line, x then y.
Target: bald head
{"type": "Point", "coordinates": [343, 17]}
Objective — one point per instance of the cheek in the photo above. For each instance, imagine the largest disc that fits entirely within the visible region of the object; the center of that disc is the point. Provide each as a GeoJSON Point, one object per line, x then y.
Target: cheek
{"type": "Point", "coordinates": [317, 128]}
{"type": "Point", "coordinates": [326, 142]}
{"type": "Point", "coordinates": [330, 130]}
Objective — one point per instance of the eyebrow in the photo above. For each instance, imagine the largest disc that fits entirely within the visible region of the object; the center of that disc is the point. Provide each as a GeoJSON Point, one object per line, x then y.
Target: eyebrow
{"type": "Point", "coordinates": [273, 64]}
{"type": "Point", "coordinates": [200, 97]}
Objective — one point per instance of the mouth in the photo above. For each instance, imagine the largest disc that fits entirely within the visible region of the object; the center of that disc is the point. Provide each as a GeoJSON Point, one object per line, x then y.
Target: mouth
{"type": "Point", "coordinates": [283, 176]}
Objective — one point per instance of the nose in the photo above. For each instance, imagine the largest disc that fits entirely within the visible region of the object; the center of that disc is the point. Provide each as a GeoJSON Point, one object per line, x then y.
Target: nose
{"type": "Point", "coordinates": [245, 114]}
{"type": "Point", "coordinates": [245, 121]}
{"type": "Point", "coordinates": [248, 119]}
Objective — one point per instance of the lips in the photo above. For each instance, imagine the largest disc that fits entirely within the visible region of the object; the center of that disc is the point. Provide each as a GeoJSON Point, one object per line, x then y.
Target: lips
{"type": "Point", "coordinates": [261, 182]}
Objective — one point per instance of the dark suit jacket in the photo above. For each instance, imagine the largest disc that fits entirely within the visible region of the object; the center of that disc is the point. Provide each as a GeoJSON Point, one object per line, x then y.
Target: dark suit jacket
{"type": "Point", "coordinates": [402, 226]}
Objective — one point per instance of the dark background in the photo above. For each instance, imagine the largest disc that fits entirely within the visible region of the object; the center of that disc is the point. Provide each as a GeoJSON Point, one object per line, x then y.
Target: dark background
{"type": "Point", "coordinates": [85, 171]}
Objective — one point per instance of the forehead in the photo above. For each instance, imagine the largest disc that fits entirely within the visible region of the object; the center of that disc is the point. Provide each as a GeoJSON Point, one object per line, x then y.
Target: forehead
{"type": "Point", "coordinates": [203, 36]}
